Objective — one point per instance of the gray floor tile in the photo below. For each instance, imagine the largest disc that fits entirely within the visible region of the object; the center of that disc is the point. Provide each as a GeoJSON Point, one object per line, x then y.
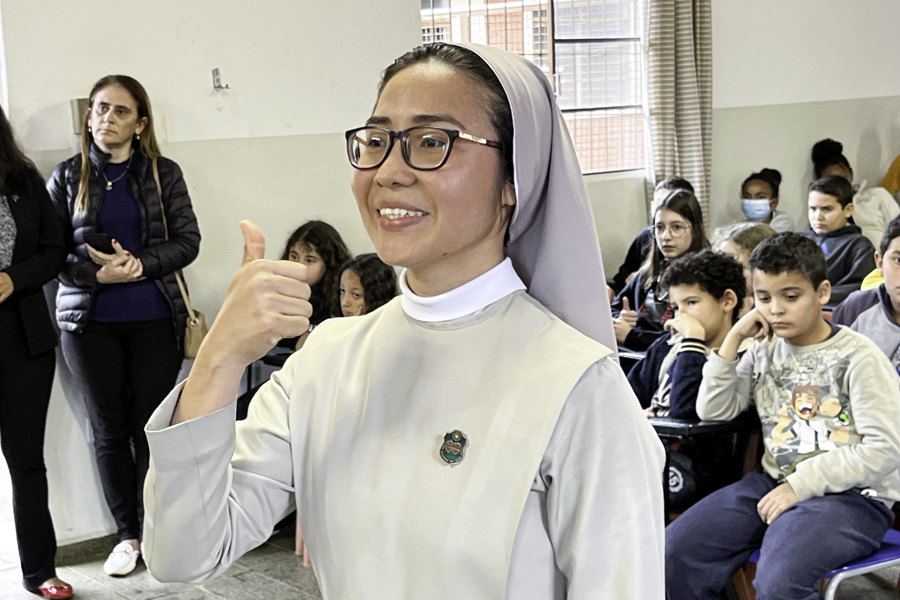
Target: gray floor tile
{"type": "Point", "coordinates": [139, 585]}
{"type": "Point", "coordinates": [282, 565]}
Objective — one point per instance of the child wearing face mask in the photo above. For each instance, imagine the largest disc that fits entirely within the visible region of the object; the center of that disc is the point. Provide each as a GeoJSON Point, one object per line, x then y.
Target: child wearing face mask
{"type": "Point", "coordinates": [759, 199]}
{"type": "Point", "coordinates": [874, 207]}
{"type": "Point", "coordinates": [366, 284]}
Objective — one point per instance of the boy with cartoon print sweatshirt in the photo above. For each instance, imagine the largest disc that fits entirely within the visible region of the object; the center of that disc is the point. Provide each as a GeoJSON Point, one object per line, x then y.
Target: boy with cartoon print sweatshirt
{"type": "Point", "coordinates": [829, 403]}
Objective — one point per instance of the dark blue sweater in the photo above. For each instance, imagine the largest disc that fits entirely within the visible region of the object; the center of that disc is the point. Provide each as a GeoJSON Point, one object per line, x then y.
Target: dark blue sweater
{"type": "Point", "coordinates": [682, 379]}
{"type": "Point", "coordinates": [120, 218]}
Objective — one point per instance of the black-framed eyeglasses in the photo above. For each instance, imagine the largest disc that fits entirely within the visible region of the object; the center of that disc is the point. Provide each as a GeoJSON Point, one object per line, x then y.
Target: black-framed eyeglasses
{"type": "Point", "coordinates": [423, 148]}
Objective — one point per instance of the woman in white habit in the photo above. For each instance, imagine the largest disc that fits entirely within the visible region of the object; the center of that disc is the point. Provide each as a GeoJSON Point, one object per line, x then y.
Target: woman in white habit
{"type": "Point", "coordinates": [474, 438]}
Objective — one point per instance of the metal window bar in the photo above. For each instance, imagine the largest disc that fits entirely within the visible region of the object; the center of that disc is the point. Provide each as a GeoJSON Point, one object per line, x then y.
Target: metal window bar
{"type": "Point", "coordinates": [608, 134]}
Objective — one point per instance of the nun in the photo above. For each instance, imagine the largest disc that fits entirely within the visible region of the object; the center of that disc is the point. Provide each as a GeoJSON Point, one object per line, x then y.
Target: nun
{"type": "Point", "coordinates": [473, 438]}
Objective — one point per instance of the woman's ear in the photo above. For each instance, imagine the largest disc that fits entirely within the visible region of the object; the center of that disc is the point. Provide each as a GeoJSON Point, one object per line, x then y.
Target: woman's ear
{"type": "Point", "coordinates": [141, 124]}
{"type": "Point", "coordinates": [508, 195]}
{"type": "Point", "coordinates": [773, 203]}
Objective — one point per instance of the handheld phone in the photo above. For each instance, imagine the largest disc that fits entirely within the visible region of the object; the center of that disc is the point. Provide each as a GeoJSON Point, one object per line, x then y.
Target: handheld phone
{"type": "Point", "coordinates": [100, 242]}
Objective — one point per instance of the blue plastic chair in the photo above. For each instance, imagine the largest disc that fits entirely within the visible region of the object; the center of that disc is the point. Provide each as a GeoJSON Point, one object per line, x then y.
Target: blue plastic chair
{"type": "Point", "coordinates": [886, 556]}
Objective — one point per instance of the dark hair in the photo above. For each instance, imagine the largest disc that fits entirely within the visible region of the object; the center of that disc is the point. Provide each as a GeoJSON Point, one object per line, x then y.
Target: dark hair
{"type": "Point", "coordinates": [892, 231]}
{"type": "Point", "coordinates": [466, 61]}
{"type": "Point", "coordinates": [771, 177]}
{"type": "Point", "coordinates": [828, 152]}
{"type": "Point", "coordinates": [18, 175]}
{"type": "Point", "coordinates": [713, 272]}
{"type": "Point", "coordinates": [836, 186]}
{"type": "Point", "coordinates": [674, 183]}
{"type": "Point", "coordinates": [685, 204]}
{"type": "Point", "coordinates": [378, 279]}
{"type": "Point", "coordinates": [327, 242]}
{"type": "Point", "coordinates": [791, 253]}
{"type": "Point", "coordinates": [147, 145]}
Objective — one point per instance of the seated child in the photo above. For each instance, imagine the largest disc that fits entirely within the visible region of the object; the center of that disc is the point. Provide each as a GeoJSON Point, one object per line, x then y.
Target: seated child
{"type": "Point", "coordinates": [705, 291]}
{"type": "Point", "coordinates": [874, 206]}
{"type": "Point", "coordinates": [759, 199]}
{"type": "Point", "coordinates": [640, 247]}
{"type": "Point", "coordinates": [829, 403]}
{"type": "Point", "coordinates": [875, 313]}
{"type": "Point", "coordinates": [642, 308]}
{"type": "Point", "coordinates": [366, 283]}
{"type": "Point", "coordinates": [848, 254]}
{"type": "Point", "coordinates": [739, 241]}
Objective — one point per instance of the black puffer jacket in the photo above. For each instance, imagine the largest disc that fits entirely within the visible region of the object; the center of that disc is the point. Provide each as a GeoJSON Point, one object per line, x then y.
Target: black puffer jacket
{"type": "Point", "coordinates": [160, 258]}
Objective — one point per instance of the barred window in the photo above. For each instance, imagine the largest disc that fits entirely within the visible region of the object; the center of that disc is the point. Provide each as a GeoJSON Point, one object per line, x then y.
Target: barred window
{"type": "Point", "coordinates": [590, 51]}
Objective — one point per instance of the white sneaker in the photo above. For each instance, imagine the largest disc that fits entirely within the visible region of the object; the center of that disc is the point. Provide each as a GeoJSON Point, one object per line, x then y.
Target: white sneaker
{"type": "Point", "coordinates": [122, 560]}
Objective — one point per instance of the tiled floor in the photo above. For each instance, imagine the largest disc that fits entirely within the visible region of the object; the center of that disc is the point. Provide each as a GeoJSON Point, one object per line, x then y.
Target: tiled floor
{"type": "Point", "coordinates": [271, 572]}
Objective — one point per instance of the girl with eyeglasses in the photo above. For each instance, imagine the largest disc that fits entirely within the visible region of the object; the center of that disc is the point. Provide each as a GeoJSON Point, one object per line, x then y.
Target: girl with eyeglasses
{"type": "Point", "coordinates": [641, 309]}
{"type": "Point", "coordinates": [473, 438]}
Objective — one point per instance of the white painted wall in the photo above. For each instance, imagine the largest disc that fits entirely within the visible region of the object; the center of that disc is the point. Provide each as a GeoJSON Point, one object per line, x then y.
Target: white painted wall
{"type": "Point", "coordinates": [269, 148]}
{"type": "Point", "coordinates": [294, 67]}
{"type": "Point", "coordinates": [787, 74]}
{"type": "Point", "coordinates": [791, 51]}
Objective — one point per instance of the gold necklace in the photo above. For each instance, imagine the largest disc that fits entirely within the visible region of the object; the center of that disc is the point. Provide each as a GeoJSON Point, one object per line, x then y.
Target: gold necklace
{"type": "Point", "coordinates": [109, 183]}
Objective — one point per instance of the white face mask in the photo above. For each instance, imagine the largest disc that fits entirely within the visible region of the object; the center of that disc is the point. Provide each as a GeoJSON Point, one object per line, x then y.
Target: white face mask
{"type": "Point", "coordinates": [756, 210]}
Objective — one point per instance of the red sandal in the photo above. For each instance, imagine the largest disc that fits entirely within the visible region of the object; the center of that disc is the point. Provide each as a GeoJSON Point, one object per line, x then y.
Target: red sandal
{"type": "Point", "coordinates": [54, 591]}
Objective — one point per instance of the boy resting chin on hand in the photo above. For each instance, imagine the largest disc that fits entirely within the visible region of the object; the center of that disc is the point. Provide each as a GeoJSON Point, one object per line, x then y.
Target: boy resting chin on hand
{"type": "Point", "coordinates": [829, 403]}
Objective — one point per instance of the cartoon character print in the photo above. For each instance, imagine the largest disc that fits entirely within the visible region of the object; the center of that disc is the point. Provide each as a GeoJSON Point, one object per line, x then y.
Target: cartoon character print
{"type": "Point", "coordinates": [807, 412]}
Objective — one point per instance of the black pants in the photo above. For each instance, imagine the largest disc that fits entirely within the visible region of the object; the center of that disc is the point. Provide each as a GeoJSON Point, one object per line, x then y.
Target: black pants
{"type": "Point", "coordinates": [125, 370]}
{"type": "Point", "coordinates": [25, 384]}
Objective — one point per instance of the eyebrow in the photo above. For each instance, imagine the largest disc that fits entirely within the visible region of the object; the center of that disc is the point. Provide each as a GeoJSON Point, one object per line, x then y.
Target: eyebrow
{"type": "Point", "coordinates": [125, 106]}
{"type": "Point", "coordinates": [782, 290]}
{"type": "Point", "coordinates": [424, 119]}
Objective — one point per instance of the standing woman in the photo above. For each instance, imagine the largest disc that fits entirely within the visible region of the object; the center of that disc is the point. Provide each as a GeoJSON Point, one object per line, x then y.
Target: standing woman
{"type": "Point", "coordinates": [121, 313]}
{"type": "Point", "coordinates": [31, 254]}
{"type": "Point", "coordinates": [474, 432]}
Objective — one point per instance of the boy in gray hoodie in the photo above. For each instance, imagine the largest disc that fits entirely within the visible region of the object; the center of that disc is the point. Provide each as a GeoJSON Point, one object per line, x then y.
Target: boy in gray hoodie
{"type": "Point", "coordinates": [875, 313]}
{"type": "Point", "coordinates": [829, 403]}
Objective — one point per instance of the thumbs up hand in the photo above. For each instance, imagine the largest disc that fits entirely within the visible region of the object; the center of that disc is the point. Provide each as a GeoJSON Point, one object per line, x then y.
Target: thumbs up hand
{"type": "Point", "coordinates": [267, 300]}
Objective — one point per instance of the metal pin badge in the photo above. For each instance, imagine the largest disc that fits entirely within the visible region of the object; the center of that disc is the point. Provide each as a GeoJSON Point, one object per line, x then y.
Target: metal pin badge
{"type": "Point", "coordinates": [453, 448]}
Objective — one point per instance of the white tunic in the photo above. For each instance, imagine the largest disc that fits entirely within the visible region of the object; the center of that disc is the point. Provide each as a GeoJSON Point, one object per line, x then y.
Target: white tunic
{"type": "Point", "coordinates": [559, 494]}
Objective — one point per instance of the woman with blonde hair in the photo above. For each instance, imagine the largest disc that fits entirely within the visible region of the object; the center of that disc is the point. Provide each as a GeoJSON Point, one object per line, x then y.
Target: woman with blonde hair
{"type": "Point", "coordinates": [129, 228]}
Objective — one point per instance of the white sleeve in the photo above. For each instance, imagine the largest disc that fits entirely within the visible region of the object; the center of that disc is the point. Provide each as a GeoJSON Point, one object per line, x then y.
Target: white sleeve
{"type": "Point", "coordinates": [725, 389]}
{"type": "Point", "coordinates": [603, 469]}
{"type": "Point", "coordinates": [215, 490]}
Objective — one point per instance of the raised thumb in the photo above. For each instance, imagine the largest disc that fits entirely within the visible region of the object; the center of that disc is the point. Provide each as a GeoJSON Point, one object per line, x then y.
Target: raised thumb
{"type": "Point", "coordinates": [625, 305]}
{"type": "Point", "coordinates": [254, 242]}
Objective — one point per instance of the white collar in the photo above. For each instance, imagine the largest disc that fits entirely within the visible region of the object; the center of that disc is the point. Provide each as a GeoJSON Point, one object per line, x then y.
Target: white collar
{"type": "Point", "coordinates": [468, 298]}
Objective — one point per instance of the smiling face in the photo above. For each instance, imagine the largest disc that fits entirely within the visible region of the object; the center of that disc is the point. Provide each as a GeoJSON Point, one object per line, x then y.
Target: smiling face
{"type": "Point", "coordinates": [676, 239]}
{"type": "Point", "coordinates": [353, 295]}
{"type": "Point", "coordinates": [445, 226]}
{"type": "Point", "coordinates": [792, 306]}
{"type": "Point", "coordinates": [114, 118]}
{"type": "Point", "coordinates": [826, 214]}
